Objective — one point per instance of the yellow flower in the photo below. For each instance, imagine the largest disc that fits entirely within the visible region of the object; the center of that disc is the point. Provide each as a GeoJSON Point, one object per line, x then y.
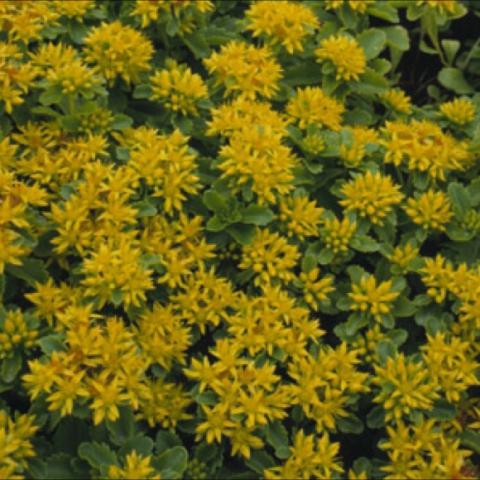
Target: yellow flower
{"type": "Point", "coordinates": [118, 50]}
{"type": "Point", "coordinates": [372, 194]}
{"type": "Point", "coordinates": [375, 299]}
{"type": "Point", "coordinates": [310, 457]}
{"type": "Point", "coordinates": [113, 273]}
{"type": "Point", "coordinates": [431, 210]}
{"type": "Point", "coordinates": [16, 333]}
{"type": "Point", "coordinates": [423, 146]}
{"type": "Point", "coordinates": [314, 289]}
{"type": "Point", "coordinates": [438, 276]}
{"type": "Point", "coordinates": [346, 55]}
{"type": "Point", "coordinates": [107, 397]}
{"type": "Point", "coordinates": [451, 364]}
{"type": "Point", "coordinates": [257, 155]}
{"type": "Point", "coordinates": [398, 100]}
{"type": "Point", "coordinates": [302, 217]}
{"type": "Point", "coordinates": [337, 234]}
{"type": "Point", "coordinates": [245, 69]}
{"type": "Point", "coordinates": [135, 466]}
{"type": "Point", "coordinates": [282, 22]}
{"type": "Point", "coordinates": [459, 111]}
{"type": "Point", "coordinates": [73, 8]}
{"type": "Point", "coordinates": [67, 389]}
{"type": "Point", "coordinates": [231, 117]}
{"type": "Point", "coordinates": [243, 440]}
{"type": "Point", "coordinates": [354, 155]}
{"type": "Point", "coordinates": [178, 88]}
{"type": "Point", "coordinates": [271, 257]}
{"type": "Point", "coordinates": [15, 445]}
{"type": "Point", "coordinates": [405, 385]}
{"type": "Point", "coordinates": [163, 336]}
{"type": "Point", "coordinates": [447, 6]}
{"type": "Point", "coordinates": [216, 424]}
{"type": "Point", "coordinates": [356, 5]}
{"type": "Point", "coordinates": [403, 255]}
{"type": "Point", "coordinates": [11, 251]}
{"type": "Point", "coordinates": [311, 106]}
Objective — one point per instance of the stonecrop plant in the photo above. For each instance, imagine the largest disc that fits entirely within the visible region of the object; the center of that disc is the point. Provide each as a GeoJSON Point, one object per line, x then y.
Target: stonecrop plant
{"type": "Point", "coordinates": [239, 239]}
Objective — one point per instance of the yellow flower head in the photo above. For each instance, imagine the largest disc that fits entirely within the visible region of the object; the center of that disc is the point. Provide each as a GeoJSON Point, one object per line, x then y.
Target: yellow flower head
{"type": "Point", "coordinates": [73, 8]}
{"type": "Point", "coordinates": [447, 6]}
{"type": "Point", "coordinates": [302, 217]}
{"type": "Point", "coordinates": [337, 234]}
{"type": "Point", "coordinates": [311, 106]}
{"type": "Point", "coordinates": [459, 111]}
{"type": "Point", "coordinates": [258, 155]}
{"type": "Point", "coordinates": [118, 50]}
{"type": "Point", "coordinates": [398, 100]}
{"type": "Point", "coordinates": [405, 385]}
{"type": "Point", "coordinates": [362, 136]}
{"type": "Point", "coordinates": [439, 277]}
{"type": "Point", "coordinates": [356, 5]}
{"type": "Point", "coordinates": [404, 255]}
{"type": "Point", "coordinates": [178, 88]}
{"type": "Point", "coordinates": [135, 466]}
{"type": "Point", "coordinates": [423, 146]}
{"type": "Point", "coordinates": [245, 69]}
{"type": "Point", "coordinates": [431, 210]}
{"type": "Point", "coordinates": [372, 194]}
{"type": "Point", "coordinates": [311, 456]}
{"type": "Point", "coordinates": [367, 296]}
{"type": "Point", "coordinates": [315, 289]}
{"type": "Point", "coordinates": [233, 116]}
{"type": "Point", "coordinates": [346, 55]}
{"type": "Point", "coordinates": [271, 257]}
{"type": "Point", "coordinates": [284, 22]}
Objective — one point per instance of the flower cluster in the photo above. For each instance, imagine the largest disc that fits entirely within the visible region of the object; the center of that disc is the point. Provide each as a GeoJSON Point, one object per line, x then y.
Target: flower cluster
{"type": "Point", "coordinates": [235, 242]}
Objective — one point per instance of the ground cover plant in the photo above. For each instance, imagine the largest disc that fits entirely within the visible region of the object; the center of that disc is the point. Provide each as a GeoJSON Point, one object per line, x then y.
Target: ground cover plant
{"type": "Point", "coordinates": [239, 239]}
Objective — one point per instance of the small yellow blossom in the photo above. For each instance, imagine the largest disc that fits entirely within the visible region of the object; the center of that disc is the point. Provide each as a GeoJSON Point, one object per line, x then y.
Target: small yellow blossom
{"type": "Point", "coordinates": [245, 69]}
{"type": "Point", "coordinates": [312, 106]}
{"type": "Point", "coordinates": [315, 289]}
{"type": "Point", "coordinates": [431, 210]}
{"type": "Point", "coordinates": [337, 234]}
{"type": "Point", "coordinates": [356, 5]}
{"type": "Point", "coordinates": [367, 296]}
{"type": "Point", "coordinates": [404, 385]}
{"type": "Point", "coordinates": [459, 111]}
{"type": "Point", "coordinates": [284, 22]}
{"type": "Point", "coordinates": [302, 217]}
{"type": "Point", "coordinates": [178, 88]}
{"type": "Point", "coordinates": [353, 155]}
{"type": "Point", "coordinates": [271, 257]}
{"type": "Point", "coordinates": [118, 50]}
{"type": "Point", "coordinates": [346, 55]}
{"type": "Point", "coordinates": [135, 466]}
{"type": "Point", "coordinates": [398, 100]}
{"type": "Point", "coordinates": [372, 195]}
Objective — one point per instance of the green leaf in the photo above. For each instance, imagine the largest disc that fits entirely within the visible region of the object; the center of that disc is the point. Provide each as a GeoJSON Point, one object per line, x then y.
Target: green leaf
{"type": "Point", "coordinates": [451, 48]}
{"type": "Point", "coordinates": [259, 461]}
{"type": "Point", "coordinates": [142, 91]}
{"type": "Point", "coordinates": [214, 201]}
{"type": "Point", "coordinates": [370, 83]}
{"type": "Point", "coordinates": [97, 454]}
{"type": "Point", "coordinates": [51, 95]}
{"type": "Point", "coordinates": [356, 321]}
{"type": "Point", "coordinates": [364, 244]}
{"type": "Point", "coordinates": [376, 417]}
{"type": "Point", "coordinates": [325, 256]}
{"type": "Point", "coordinates": [165, 440]}
{"type": "Point", "coordinates": [257, 215]}
{"type": "Point", "coordinates": [443, 411]}
{"type": "Point", "coordinates": [52, 343]}
{"type": "Point", "coordinates": [11, 366]}
{"type": "Point", "coordinates": [460, 198]}
{"type": "Point", "coordinates": [372, 41]}
{"type": "Point", "coordinates": [384, 11]}
{"type": "Point", "coordinates": [276, 435]}
{"type": "Point", "coordinates": [397, 37]}
{"type": "Point", "coordinates": [303, 73]}
{"type": "Point", "coordinates": [142, 444]}
{"type": "Point", "coordinates": [145, 209]}
{"type": "Point", "coordinates": [31, 271]}
{"type": "Point", "coordinates": [59, 467]}
{"type": "Point", "coordinates": [453, 79]}
{"type": "Point", "coordinates": [471, 440]}
{"type": "Point", "coordinates": [174, 460]}
{"type": "Point", "coordinates": [350, 424]}
{"type": "Point", "coordinates": [216, 224]}
{"type": "Point", "coordinates": [121, 121]}
{"type": "Point", "coordinates": [123, 428]}
{"type": "Point", "coordinates": [404, 308]}
{"type": "Point", "coordinates": [243, 234]}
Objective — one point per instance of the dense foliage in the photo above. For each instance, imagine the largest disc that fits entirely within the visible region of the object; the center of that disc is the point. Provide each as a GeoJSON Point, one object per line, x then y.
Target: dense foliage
{"type": "Point", "coordinates": [239, 239]}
